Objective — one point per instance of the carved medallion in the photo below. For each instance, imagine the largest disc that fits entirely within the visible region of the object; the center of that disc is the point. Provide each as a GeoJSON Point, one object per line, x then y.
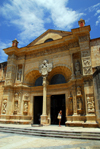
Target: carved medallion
{"type": "Point", "coordinates": [45, 67]}
{"type": "Point", "coordinates": [86, 70]}
{"type": "Point", "coordinates": [86, 62]}
{"type": "Point", "coordinates": [90, 104]}
{"type": "Point", "coordinates": [4, 105]}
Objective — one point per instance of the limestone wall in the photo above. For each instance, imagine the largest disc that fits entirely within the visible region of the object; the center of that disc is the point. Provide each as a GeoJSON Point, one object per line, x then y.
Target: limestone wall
{"type": "Point", "coordinates": [95, 52]}
{"type": "Point", "coordinates": [95, 55]}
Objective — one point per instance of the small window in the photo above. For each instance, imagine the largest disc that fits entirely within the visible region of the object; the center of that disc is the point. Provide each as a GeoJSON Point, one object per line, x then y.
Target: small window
{"type": "Point", "coordinates": [48, 40]}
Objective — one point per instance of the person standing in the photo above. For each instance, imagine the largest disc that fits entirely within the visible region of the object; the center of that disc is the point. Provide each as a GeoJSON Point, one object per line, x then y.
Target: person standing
{"type": "Point", "coordinates": [60, 117]}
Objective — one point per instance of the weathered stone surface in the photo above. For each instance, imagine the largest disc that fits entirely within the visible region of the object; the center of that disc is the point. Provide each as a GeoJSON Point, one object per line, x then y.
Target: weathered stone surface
{"type": "Point", "coordinates": [74, 57]}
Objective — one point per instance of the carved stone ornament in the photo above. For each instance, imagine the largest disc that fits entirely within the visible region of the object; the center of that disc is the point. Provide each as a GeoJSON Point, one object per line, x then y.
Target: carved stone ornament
{"type": "Point", "coordinates": [90, 104]}
{"type": "Point", "coordinates": [87, 70]}
{"type": "Point", "coordinates": [85, 53]}
{"type": "Point", "coordinates": [16, 95]}
{"type": "Point", "coordinates": [78, 90]}
{"type": "Point", "coordinates": [26, 97]}
{"type": "Point", "coordinates": [77, 68]}
{"type": "Point", "coordinates": [83, 38]}
{"type": "Point", "coordinates": [86, 62]}
{"type": "Point", "coordinates": [8, 75]}
{"type": "Point", "coordinates": [19, 73]}
{"type": "Point", "coordinates": [4, 106]}
{"type": "Point", "coordinates": [8, 82]}
{"type": "Point", "coordinates": [12, 57]}
{"type": "Point", "coordinates": [25, 106]}
{"type": "Point", "coordinates": [45, 67]}
{"type": "Point", "coordinates": [16, 106]}
{"type": "Point", "coordinates": [73, 44]}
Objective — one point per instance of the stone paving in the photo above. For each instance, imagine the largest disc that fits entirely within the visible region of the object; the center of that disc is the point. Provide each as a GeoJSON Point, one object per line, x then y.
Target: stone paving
{"type": "Point", "coordinates": [16, 141]}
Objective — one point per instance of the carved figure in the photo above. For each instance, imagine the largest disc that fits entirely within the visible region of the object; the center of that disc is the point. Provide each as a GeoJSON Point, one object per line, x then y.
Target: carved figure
{"type": "Point", "coordinates": [4, 107]}
{"type": "Point", "coordinates": [45, 67]}
{"type": "Point", "coordinates": [16, 106]}
{"type": "Point", "coordinates": [90, 104]}
{"type": "Point", "coordinates": [16, 95]}
{"type": "Point", "coordinates": [19, 73]}
{"type": "Point", "coordinates": [77, 68]}
{"type": "Point", "coordinates": [25, 106]}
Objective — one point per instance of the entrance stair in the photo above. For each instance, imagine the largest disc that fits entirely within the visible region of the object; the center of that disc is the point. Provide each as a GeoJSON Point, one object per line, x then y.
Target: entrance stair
{"type": "Point", "coordinates": [52, 133]}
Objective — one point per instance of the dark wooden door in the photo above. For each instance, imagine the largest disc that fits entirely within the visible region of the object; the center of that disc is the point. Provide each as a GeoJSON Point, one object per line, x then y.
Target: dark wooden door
{"type": "Point", "coordinates": [57, 104]}
{"type": "Point", "coordinates": [38, 101]}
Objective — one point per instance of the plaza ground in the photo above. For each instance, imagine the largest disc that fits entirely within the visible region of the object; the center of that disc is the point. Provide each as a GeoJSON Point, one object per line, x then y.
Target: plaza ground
{"type": "Point", "coordinates": [17, 141]}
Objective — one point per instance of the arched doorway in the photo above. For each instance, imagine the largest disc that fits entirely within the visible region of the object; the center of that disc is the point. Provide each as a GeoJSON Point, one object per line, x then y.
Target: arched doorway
{"type": "Point", "coordinates": [57, 104]}
{"type": "Point", "coordinates": [57, 101]}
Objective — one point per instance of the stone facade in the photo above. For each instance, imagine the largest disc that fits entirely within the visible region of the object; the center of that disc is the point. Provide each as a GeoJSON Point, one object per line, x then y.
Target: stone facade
{"type": "Point", "coordinates": [56, 63]}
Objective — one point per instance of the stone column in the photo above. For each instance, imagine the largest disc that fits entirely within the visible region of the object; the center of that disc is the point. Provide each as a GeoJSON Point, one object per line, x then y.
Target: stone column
{"type": "Point", "coordinates": [45, 67]}
{"type": "Point", "coordinates": [44, 117]}
{"type": "Point", "coordinates": [49, 108]}
{"type": "Point", "coordinates": [66, 103]}
{"type": "Point", "coordinates": [44, 96]}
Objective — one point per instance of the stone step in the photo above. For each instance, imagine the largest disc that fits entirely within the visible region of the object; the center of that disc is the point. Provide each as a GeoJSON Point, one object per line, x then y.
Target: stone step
{"type": "Point", "coordinates": [51, 133]}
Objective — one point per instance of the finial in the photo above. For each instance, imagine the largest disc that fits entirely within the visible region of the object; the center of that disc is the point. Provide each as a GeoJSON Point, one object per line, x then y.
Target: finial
{"type": "Point", "coordinates": [14, 43]}
{"type": "Point", "coordinates": [81, 23]}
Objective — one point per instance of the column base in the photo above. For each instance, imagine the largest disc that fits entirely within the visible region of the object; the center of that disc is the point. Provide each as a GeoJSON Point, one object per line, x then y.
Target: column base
{"type": "Point", "coordinates": [75, 114]}
{"type": "Point", "coordinates": [44, 119]}
{"type": "Point", "coordinates": [91, 118]}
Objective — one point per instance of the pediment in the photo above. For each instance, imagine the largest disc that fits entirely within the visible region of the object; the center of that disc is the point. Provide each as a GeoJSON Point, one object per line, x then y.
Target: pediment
{"type": "Point", "coordinates": [49, 34]}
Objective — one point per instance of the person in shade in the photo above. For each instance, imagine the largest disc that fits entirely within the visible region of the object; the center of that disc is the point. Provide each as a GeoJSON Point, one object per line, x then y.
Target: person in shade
{"type": "Point", "coordinates": [60, 117]}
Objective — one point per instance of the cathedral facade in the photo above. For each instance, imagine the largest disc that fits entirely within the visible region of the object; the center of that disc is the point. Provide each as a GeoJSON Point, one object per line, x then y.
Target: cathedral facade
{"type": "Point", "coordinates": [59, 70]}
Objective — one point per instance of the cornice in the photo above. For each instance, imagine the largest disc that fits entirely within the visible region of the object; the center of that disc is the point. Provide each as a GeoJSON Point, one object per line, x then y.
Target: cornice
{"type": "Point", "coordinates": [41, 47]}
{"type": "Point", "coordinates": [64, 41]}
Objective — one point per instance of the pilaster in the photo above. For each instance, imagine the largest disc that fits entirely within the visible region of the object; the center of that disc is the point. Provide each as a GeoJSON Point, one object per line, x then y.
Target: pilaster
{"type": "Point", "coordinates": [74, 102]}
{"type": "Point", "coordinates": [11, 70]}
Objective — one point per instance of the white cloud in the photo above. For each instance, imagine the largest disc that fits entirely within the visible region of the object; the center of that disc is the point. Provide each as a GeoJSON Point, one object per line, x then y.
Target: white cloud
{"type": "Point", "coordinates": [98, 21]}
{"type": "Point", "coordinates": [3, 56]}
{"type": "Point", "coordinates": [30, 16]}
{"type": "Point", "coordinates": [96, 8]}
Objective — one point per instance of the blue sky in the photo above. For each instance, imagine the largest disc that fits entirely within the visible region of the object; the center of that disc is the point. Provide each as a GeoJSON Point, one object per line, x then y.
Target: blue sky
{"type": "Point", "coordinates": [28, 19]}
